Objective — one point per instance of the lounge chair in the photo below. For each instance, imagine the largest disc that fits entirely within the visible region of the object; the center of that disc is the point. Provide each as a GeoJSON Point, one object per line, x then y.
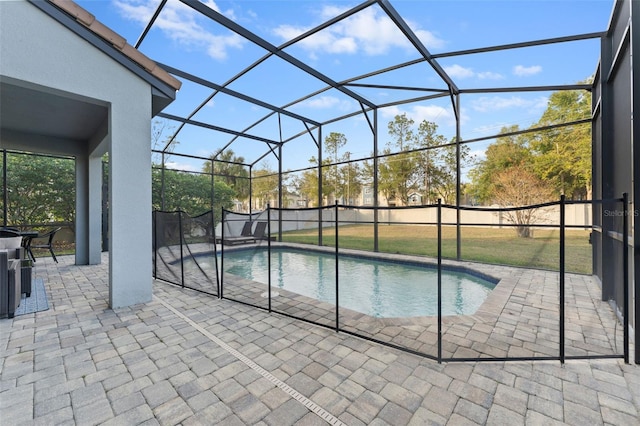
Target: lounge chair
{"type": "Point", "coordinates": [259, 233]}
{"type": "Point", "coordinates": [246, 235]}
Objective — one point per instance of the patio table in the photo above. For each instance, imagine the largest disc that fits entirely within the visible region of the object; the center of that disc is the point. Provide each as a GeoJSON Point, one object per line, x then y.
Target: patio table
{"type": "Point", "coordinates": [27, 236]}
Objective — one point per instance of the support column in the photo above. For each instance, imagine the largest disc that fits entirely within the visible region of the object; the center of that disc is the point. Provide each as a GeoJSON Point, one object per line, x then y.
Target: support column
{"type": "Point", "coordinates": [82, 210]}
{"type": "Point", "coordinates": [88, 210]}
{"type": "Point", "coordinates": [95, 209]}
{"type": "Point", "coordinates": [130, 222]}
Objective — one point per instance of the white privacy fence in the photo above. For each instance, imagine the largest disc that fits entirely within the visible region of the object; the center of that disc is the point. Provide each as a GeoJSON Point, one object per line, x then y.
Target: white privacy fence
{"type": "Point", "coordinates": [576, 215]}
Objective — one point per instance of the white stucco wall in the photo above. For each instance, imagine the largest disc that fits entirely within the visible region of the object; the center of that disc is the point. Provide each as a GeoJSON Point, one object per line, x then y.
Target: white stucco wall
{"type": "Point", "coordinates": [36, 49]}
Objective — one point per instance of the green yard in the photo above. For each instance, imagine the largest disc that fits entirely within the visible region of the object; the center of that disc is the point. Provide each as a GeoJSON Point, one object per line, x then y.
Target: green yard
{"type": "Point", "coordinates": [489, 245]}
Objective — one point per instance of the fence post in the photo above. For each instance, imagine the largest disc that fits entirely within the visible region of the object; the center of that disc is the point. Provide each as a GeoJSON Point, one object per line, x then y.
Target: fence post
{"type": "Point", "coordinates": [269, 254]}
{"type": "Point", "coordinates": [181, 253]}
{"type": "Point", "coordinates": [155, 244]}
{"type": "Point", "coordinates": [215, 250]}
{"type": "Point", "coordinates": [562, 295]}
{"type": "Point", "coordinates": [337, 271]}
{"type": "Point", "coordinates": [221, 253]}
{"type": "Point", "coordinates": [439, 280]}
{"type": "Point", "coordinates": [625, 276]}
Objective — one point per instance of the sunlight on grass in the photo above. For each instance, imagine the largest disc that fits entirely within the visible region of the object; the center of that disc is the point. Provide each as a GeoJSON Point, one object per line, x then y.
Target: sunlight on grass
{"type": "Point", "coordinates": [488, 245]}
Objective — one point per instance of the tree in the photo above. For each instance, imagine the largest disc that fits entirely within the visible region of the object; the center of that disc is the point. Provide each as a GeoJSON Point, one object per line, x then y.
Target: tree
{"type": "Point", "coordinates": [306, 185]}
{"type": "Point", "coordinates": [563, 154]}
{"type": "Point", "coordinates": [265, 187]}
{"type": "Point", "coordinates": [438, 164]}
{"type": "Point", "coordinates": [229, 168]}
{"type": "Point", "coordinates": [506, 152]}
{"type": "Point", "coordinates": [190, 192]}
{"type": "Point", "coordinates": [332, 144]}
{"type": "Point", "coordinates": [349, 178]}
{"type": "Point", "coordinates": [41, 189]}
{"type": "Point", "coordinates": [337, 180]}
{"type": "Point", "coordinates": [162, 134]}
{"type": "Point", "coordinates": [399, 173]}
{"type": "Point", "coordinates": [516, 186]}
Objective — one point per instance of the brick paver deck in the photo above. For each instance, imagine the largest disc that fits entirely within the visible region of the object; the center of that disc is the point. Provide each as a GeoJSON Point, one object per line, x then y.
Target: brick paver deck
{"type": "Point", "coordinates": [187, 358]}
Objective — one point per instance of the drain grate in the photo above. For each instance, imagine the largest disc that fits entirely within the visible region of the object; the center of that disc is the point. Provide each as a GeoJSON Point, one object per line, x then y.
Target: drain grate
{"type": "Point", "coordinates": [312, 406]}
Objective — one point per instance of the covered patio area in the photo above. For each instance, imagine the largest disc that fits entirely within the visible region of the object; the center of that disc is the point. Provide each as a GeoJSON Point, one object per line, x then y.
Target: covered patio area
{"type": "Point", "coordinates": [189, 358]}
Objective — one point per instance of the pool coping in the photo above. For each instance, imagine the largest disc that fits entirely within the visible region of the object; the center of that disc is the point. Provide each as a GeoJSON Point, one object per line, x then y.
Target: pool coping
{"type": "Point", "coordinates": [504, 277]}
{"type": "Point", "coordinates": [519, 318]}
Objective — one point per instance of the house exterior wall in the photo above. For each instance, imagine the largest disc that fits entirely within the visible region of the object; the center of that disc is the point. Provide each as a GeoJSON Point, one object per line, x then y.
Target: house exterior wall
{"type": "Point", "coordinates": [41, 53]}
{"type": "Point", "coordinates": [616, 154]}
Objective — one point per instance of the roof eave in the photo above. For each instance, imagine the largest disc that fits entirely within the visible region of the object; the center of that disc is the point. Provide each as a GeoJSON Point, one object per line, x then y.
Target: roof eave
{"type": "Point", "coordinates": [164, 86]}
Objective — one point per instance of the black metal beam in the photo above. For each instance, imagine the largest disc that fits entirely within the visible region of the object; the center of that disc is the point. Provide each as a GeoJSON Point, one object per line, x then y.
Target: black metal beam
{"type": "Point", "coordinates": [550, 88]}
{"type": "Point", "coordinates": [534, 43]}
{"type": "Point", "coordinates": [413, 38]}
{"type": "Point", "coordinates": [233, 93]}
{"type": "Point", "coordinates": [382, 86]}
{"type": "Point", "coordinates": [150, 23]}
{"type": "Point", "coordinates": [212, 127]}
{"type": "Point", "coordinates": [243, 32]}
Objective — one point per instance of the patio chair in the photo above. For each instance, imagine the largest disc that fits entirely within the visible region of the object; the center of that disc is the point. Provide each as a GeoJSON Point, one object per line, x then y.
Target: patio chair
{"type": "Point", "coordinates": [48, 245]}
{"type": "Point", "coordinates": [9, 233]}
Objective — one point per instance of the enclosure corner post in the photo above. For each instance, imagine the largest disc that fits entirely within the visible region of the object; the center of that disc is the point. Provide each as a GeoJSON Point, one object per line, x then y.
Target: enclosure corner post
{"type": "Point", "coordinates": [154, 222]}
{"type": "Point", "coordinates": [337, 273]}
{"type": "Point", "coordinates": [269, 255]}
{"type": "Point", "coordinates": [458, 180]}
{"type": "Point", "coordinates": [562, 295]}
{"type": "Point", "coordinates": [222, 252]}
{"type": "Point", "coordinates": [439, 281]}
{"type": "Point", "coordinates": [375, 181]}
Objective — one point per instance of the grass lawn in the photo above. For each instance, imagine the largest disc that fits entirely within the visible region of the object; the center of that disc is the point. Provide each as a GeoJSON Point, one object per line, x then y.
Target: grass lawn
{"type": "Point", "coordinates": [489, 245]}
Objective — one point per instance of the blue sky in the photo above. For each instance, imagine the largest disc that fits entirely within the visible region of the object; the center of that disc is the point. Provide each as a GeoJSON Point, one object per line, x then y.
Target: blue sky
{"type": "Point", "coordinates": [360, 44]}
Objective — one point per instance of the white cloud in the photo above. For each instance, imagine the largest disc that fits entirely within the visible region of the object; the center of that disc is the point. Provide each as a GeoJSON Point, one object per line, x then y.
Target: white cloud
{"type": "Point", "coordinates": [488, 75]}
{"type": "Point", "coordinates": [458, 71]}
{"type": "Point", "coordinates": [181, 24]}
{"type": "Point", "coordinates": [418, 113]}
{"type": "Point", "coordinates": [326, 102]}
{"type": "Point", "coordinates": [323, 102]}
{"type": "Point", "coordinates": [368, 31]}
{"type": "Point", "coordinates": [493, 103]}
{"type": "Point", "coordinates": [432, 113]}
{"type": "Point", "coordinates": [488, 129]}
{"type": "Point", "coordinates": [522, 71]}
{"type": "Point", "coordinates": [181, 166]}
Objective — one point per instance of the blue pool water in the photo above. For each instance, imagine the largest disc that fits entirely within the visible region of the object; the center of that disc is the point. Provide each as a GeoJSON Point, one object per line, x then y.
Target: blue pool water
{"type": "Point", "coordinates": [377, 288]}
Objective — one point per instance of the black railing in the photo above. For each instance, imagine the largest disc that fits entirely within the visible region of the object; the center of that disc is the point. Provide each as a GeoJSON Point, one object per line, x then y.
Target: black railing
{"type": "Point", "coordinates": [491, 336]}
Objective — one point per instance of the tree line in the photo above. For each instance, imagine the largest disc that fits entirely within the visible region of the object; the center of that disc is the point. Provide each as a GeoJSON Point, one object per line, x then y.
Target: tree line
{"type": "Point", "coordinates": [519, 168]}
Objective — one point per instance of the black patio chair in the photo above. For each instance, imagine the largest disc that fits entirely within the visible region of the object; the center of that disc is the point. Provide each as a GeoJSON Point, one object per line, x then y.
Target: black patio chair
{"type": "Point", "coordinates": [48, 245]}
{"type": "Point", "coordinates": [9, 232]}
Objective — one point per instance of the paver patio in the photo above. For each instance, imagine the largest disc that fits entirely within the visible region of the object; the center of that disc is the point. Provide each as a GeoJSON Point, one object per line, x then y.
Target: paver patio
{"type": "Point", "coordinates": [187, 358]}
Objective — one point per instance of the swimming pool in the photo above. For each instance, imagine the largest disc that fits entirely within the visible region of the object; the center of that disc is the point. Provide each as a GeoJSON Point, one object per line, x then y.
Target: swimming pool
{"type": "Point", "coordinates": [378, 288]}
